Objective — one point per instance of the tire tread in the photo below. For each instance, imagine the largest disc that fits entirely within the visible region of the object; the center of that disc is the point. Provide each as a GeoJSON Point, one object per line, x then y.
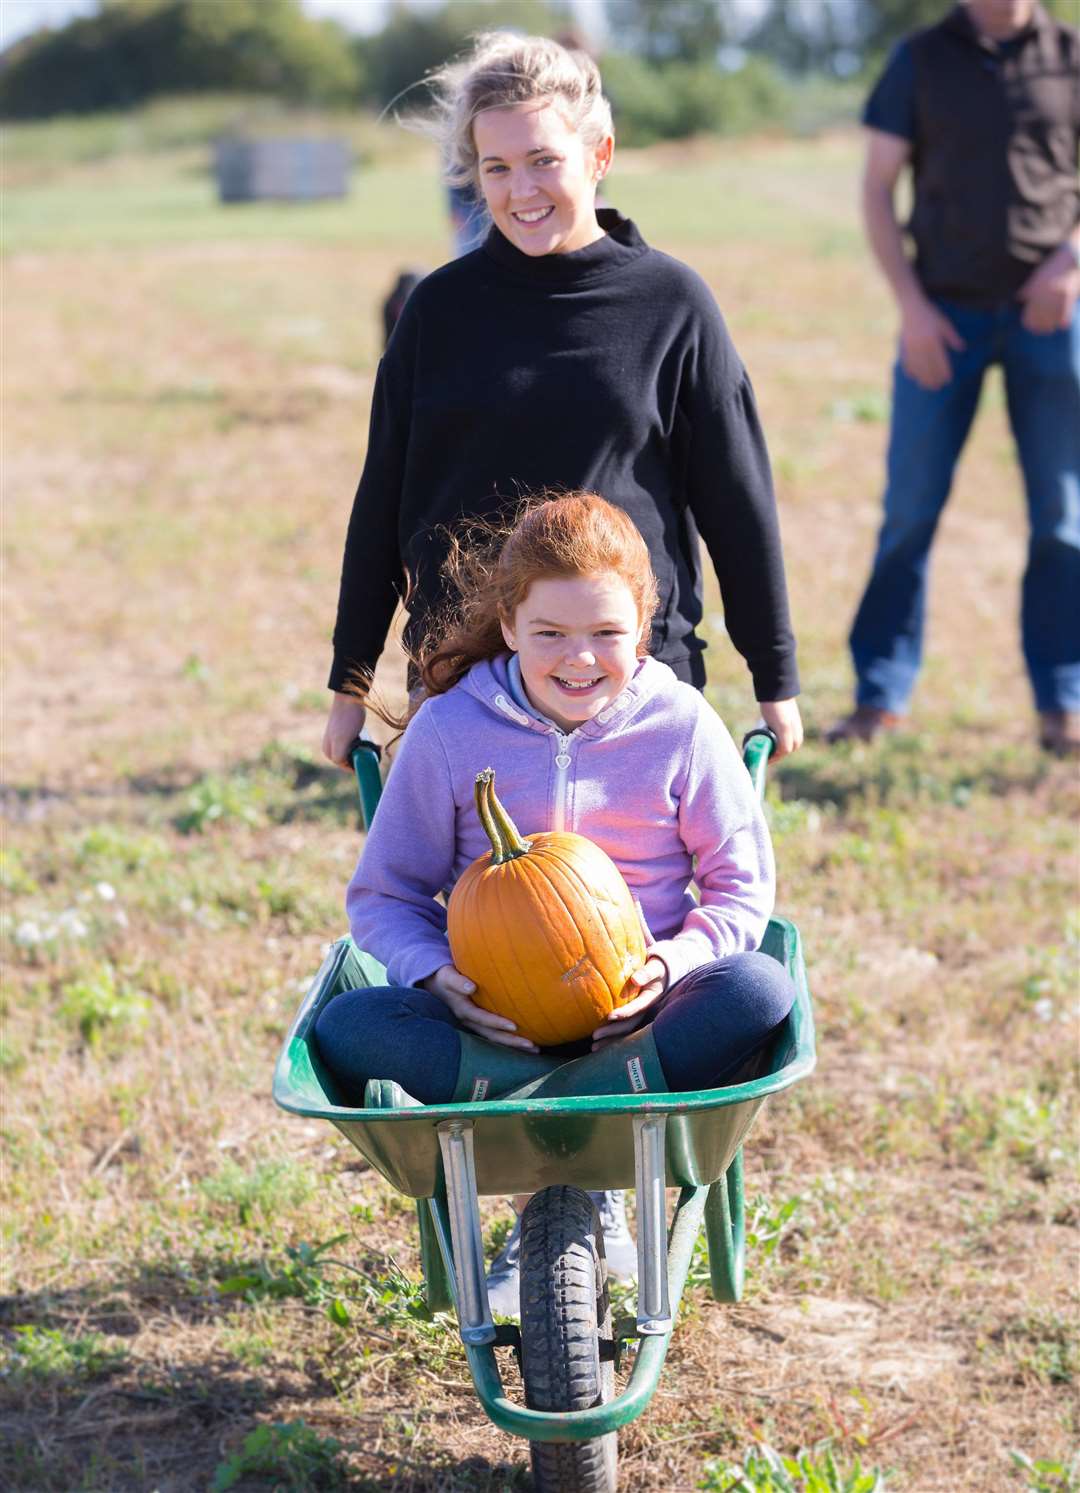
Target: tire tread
{"type": "Point", "coordinates": [564, 1303]}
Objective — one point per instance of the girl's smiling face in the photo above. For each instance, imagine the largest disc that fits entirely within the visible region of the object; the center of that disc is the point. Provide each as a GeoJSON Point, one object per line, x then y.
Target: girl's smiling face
{"type": "Point", "coordinates": [539, 178]}
{"type": "Point", "coordinates": [577, 639]}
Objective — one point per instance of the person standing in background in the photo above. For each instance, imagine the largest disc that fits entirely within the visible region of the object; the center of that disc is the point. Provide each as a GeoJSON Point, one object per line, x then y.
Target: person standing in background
{"type": "Point", "coordinates": [985, 109]}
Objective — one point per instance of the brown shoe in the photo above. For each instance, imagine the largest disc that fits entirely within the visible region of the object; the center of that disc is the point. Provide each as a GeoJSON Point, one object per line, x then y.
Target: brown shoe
{"type": "Point", "coordinates": [863, 724]}
{"type": "Point", "coordinates": [1059, 732]}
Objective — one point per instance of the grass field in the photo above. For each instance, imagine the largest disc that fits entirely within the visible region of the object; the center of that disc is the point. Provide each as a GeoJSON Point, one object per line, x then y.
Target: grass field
{"type": "Point", "coordinates": [185, 405]}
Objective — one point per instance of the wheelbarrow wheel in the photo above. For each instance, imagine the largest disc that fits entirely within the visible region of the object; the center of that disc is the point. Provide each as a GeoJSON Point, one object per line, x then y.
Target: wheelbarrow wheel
{"type": "Point", "coordinates": [565, 1310]}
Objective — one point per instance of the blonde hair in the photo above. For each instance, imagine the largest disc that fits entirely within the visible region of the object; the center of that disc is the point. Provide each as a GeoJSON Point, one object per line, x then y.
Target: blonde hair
{"type": "Point", "coordinates": [504, 69]}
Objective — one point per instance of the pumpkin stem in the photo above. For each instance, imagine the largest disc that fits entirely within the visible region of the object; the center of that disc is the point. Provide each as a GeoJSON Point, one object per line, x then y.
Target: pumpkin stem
{"type": "Point", "coordinates": [512, 843]}
{"type": "Point", "coordinates": [506, 843]}
{"type": "Point", "coordinates": [483, 809]}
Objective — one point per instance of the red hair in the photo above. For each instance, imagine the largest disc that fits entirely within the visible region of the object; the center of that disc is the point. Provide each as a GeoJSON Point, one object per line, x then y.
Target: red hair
{"type": "Point", "coordinates": [491, 567]}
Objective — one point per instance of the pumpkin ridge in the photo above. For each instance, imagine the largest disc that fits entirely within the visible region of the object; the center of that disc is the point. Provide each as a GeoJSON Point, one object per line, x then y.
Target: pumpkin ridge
{"type": "Point", "coordinates": [621, 949]}
{"type": "Point", "coordinates": [574, 882]}
{"type": "Point", "coordinates": [564, 936]}
{"type": "Point", "coordinates": [495, 949]}
{"type": "Point", "coordinates": [574, 876]}
{"type": "Point", "coordinates": [463, 922]}
{"type": "Point", "coordinates": [509, 944]}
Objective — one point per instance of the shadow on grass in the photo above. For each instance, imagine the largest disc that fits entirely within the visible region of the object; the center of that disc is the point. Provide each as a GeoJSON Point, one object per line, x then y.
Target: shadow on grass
{"type": "Point", "coordinates": [470, 1475]}
{"type": "Point", "coordinates": [296, 793]}
{"type": "Point", "coordinates": [120, 1308]}
{"type": "Point", "coordinates": [174, 1418]}
{"type": "Point", "coordinates": [292, 406]}
{"type": "Point", "coordinates": [902, 771]}
{"type": "Point", "coordinates": [134, 1425]}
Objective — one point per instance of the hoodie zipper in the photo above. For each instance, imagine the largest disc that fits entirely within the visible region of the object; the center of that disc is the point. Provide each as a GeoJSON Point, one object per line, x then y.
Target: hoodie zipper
{"type": "Point", "coordinates": [563, 762]}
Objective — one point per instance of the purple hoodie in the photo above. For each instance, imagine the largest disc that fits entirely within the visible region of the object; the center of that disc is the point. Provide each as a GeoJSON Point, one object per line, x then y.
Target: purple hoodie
{"type": "Point", "coordinates": [654, 779]}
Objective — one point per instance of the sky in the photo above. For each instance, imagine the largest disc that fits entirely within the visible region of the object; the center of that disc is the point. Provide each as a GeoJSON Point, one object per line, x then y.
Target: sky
{"type": "Point", "coordinates": [20, 16]}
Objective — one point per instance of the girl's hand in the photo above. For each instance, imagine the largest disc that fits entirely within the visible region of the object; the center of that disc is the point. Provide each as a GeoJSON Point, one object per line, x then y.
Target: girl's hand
{"type": "Point", "coordinates": [784, 721]}
{"type": "Point", "coordinates": [451, 986]}
{"type": "Point", "coordinates": [651, 981]}
{"type": "Point", "coordinates": [347, 716]}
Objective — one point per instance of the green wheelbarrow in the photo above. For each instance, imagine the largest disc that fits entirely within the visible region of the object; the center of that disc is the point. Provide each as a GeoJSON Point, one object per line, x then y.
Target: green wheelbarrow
{"type": "Point", "coordinates": [568, 1348]}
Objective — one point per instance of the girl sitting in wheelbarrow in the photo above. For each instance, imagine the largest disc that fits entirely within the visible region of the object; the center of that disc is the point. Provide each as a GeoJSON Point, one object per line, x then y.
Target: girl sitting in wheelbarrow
{"type": "Point", "coordinates": [544, 677]}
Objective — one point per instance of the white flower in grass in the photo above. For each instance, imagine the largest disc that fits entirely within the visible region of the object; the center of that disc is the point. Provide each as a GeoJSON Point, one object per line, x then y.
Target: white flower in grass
{"type": "Point", "coordinates": [28, 933]}
{"type": "Point", "coordinates": [1044, 1009]}
{"type": "Point", "coordinates": [106, 892]}
{"type": "Point", "coordinates": [71, 923]}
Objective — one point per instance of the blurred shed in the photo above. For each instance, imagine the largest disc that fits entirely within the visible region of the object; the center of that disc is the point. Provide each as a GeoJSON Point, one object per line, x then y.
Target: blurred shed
{"type": "Point", "coordinates": [297, 170]}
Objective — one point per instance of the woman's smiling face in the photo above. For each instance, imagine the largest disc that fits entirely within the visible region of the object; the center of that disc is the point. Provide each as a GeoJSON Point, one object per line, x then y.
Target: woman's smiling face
{"type": "Point", "coordinates": [577, 638]}
{"type": "Point", "coordinates": [539, 178]}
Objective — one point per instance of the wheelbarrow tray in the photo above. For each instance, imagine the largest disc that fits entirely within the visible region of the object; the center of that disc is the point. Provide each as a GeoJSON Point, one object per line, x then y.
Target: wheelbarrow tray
{"type": "Point", "coordinates": [524, 1145]}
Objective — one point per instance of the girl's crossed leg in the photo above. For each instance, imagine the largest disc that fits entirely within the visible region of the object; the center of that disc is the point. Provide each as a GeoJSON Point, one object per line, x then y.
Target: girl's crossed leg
{"type": "Point", "coordinates": [705, 1029]}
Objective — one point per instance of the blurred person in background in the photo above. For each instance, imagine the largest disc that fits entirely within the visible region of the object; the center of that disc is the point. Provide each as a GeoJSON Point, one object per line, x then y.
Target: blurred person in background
{"type": "Point", "coordinates": [985, 110]}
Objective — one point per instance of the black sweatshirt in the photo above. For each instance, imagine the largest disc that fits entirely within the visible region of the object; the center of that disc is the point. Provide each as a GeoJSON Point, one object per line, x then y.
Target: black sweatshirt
{"type": "Point", "coordinates": [608, 370]}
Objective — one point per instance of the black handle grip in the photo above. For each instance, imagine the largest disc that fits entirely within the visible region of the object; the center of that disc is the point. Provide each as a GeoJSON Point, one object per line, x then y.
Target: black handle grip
{"type": "Point", "coordinates": [363, 744]}
{"type": "Point", "coordinates": [762, 731]}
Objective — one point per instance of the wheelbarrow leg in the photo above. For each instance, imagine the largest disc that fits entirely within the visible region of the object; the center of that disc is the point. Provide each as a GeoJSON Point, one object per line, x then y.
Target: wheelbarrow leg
{"type": "Point", "coordinates": [383, 1093]}
{"type": "Point", "coordinates": [437, 1292]}
{"type": "Point", "coordinates": [725, 1229]}
{"type": "Point", "coordinates": [654, 1305]}
{"type": "Point", "coordinates": [474, 1313]}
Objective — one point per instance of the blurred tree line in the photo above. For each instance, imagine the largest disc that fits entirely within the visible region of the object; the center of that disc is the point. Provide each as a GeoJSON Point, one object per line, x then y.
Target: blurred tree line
{"type": "Point", "coordinates": [671, 67]}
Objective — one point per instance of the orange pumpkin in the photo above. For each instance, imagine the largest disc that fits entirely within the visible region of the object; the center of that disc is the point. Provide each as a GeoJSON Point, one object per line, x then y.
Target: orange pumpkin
{"type": "Point", "coordinates": [545, 928]}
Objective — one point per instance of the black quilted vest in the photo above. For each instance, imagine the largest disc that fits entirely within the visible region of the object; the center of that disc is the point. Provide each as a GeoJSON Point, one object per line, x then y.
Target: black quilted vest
{"type": "Point", "coordinates": [997, 132]}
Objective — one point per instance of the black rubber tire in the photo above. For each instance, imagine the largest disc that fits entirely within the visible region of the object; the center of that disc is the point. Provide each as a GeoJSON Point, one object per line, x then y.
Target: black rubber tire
{"type": "Point", "coordinates": [564, 1310]}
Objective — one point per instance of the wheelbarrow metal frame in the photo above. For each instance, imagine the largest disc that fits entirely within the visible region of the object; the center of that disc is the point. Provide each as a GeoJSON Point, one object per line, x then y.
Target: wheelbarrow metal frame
{"type": "Point", "coordinates": [447, 1155]}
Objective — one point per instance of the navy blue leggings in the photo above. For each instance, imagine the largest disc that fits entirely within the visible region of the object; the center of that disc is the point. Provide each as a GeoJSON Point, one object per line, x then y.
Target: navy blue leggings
{"type": "Point", "coordinates": [705, 1028]}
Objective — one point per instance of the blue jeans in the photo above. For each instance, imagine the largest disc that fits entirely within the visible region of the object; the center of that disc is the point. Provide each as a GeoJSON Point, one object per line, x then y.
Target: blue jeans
{"type": "Point", "coordinates": [706, 1026]}
{"type": "Point", "coordinates": [929, 428]}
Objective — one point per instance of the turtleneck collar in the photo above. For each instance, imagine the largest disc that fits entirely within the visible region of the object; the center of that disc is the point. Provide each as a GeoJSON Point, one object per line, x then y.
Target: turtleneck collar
{"type": "Point", "coordinates": [620, 245]}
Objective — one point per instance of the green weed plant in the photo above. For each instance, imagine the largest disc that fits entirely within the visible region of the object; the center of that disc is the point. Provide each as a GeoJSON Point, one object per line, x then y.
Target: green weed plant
{"type": "Point", "coordinates": [1046, 1475]}
{"type": "Point", "coordinates": [263, 1192]}
{"type": "Point", "coordinates": [46, 1355]}
{"type": "Point", "coordinates": [101, 1005]}
{"type": "Point", "coordinates": [289, 1456]}
{"type": "Point", "coordinates": [767, 1471]}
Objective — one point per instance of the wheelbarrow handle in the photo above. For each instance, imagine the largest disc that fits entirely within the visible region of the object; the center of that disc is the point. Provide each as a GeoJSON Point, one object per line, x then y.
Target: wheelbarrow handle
{"type": "Point", "coordinates": [364, 756]}
{"type": "Point", "coordinates": [758, 746]}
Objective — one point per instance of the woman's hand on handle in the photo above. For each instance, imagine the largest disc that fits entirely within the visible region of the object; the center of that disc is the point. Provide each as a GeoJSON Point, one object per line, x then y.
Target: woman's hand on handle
{"type": "Point", "coordinates": [346, 721]}
{"type": "Point", "coordinates": [784, 721]}
{"type": "Point", "coordinates": [456, 989]}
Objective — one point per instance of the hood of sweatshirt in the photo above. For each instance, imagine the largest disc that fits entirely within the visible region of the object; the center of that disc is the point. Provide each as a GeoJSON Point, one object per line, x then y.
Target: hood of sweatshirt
{"type": "Point", "coordinates": [489, 682]}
